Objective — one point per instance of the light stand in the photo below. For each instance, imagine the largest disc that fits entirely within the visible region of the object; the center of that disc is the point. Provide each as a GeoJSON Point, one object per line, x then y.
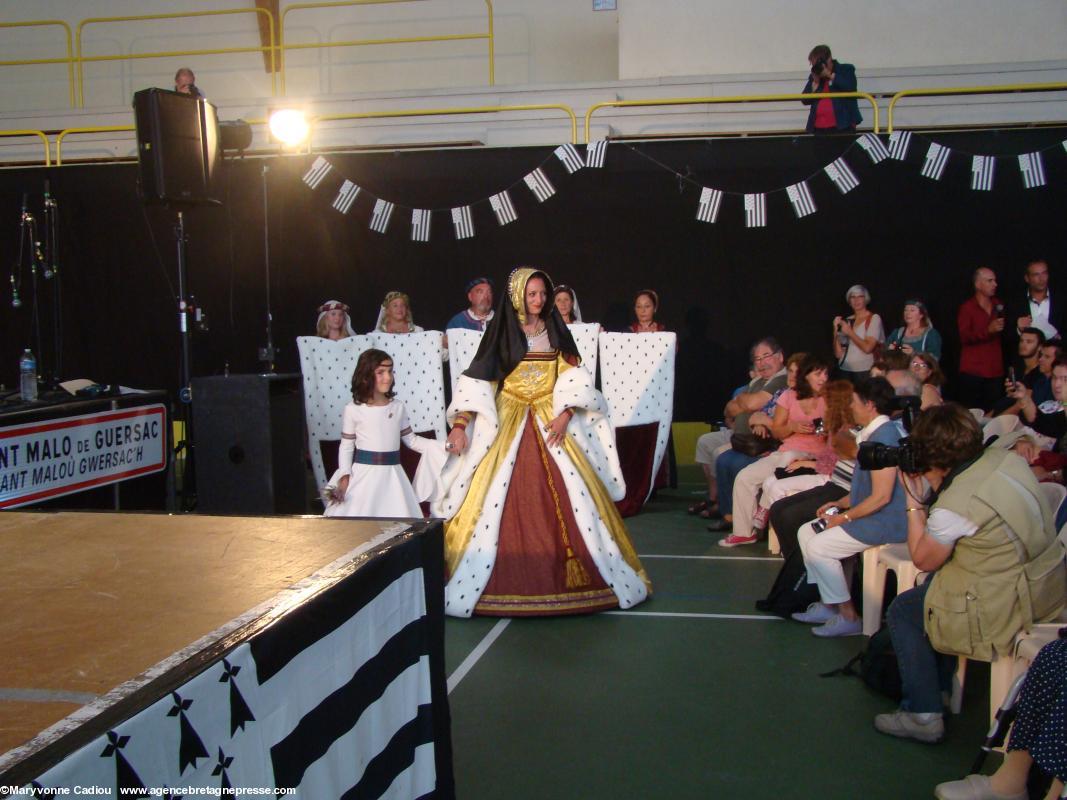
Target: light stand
{"type": "Point", "coordinates": [267, 353]}
{"type": "Point", "coordinates": [51, 273]}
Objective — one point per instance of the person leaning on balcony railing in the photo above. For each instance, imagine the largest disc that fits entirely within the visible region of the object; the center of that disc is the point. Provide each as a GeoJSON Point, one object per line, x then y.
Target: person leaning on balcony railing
{"type": "Point", "coordinates": [832, 115]}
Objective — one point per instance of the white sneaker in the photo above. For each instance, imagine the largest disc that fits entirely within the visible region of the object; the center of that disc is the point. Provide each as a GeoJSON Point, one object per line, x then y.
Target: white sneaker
{"type": "Point", "coordinates": [817, 614]}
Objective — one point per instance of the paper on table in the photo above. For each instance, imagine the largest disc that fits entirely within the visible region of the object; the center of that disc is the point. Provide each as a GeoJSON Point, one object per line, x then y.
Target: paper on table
{"type": "Point", "coordinates": [72, 386]}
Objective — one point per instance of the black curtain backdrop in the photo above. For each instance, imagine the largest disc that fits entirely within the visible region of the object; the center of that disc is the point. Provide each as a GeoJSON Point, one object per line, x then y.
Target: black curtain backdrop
{"type": "Point", "coordinates": [607, 232]}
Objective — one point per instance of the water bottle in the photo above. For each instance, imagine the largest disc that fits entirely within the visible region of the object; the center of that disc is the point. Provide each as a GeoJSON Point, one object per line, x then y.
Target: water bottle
{"type": "Point", "coordinates": [28, 376]}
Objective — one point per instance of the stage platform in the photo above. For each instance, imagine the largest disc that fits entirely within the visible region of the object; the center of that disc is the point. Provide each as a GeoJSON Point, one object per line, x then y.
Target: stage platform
{"type": "Point", "coordinates": [110, 617]}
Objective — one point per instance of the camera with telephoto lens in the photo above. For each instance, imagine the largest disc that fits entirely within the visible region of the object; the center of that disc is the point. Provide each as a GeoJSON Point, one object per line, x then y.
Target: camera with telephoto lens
{"type": "Point", "coordinates": [875, 455]}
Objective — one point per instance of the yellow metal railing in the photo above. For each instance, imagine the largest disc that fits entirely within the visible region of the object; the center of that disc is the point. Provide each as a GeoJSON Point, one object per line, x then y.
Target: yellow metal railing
{"type": "Point", "coordinates": [81, 60]}
{"type": "Point", "coordinates": [69, 60]}
{"type": "Point", "coordinates": [90, 129]}
{"type": "Point", "coordinates": [946, 92]}
{"type": "Point", "coordinates": [443, 112]}
{"type": "Point", "coordinates": [754, 98]}
{"type": "Point", "coordinates": [40, 135]}
{"type": "Point", "coordinates": [283, 46]}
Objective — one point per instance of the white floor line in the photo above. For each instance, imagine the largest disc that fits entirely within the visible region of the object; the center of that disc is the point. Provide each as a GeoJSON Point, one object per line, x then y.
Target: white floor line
{"type": "Point", "coordinates": [691, 616]}
{"type": "Point", "coordinates": [713, 558]}
{"type": "Point", "coordinates": [475, 654]}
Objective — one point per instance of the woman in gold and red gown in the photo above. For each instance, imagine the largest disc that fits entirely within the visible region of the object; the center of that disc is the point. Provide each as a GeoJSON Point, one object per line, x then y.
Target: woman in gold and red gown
{"type": "Point", "coordinates": [531, 526]}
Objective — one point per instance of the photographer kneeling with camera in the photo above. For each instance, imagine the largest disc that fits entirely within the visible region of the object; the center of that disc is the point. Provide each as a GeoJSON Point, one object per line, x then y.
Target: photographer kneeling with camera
{"type": "Point", "coordinates": [988, 533]}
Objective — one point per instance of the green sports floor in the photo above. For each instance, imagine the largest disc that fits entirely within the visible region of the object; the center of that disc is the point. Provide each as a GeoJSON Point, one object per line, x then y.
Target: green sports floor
{"type": "Point", "coordinates": [693, 694]}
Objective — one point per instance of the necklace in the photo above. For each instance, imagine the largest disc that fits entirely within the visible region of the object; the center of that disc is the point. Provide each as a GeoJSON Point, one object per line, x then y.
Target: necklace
{"type": "Point", "coordinates": [538, 331]}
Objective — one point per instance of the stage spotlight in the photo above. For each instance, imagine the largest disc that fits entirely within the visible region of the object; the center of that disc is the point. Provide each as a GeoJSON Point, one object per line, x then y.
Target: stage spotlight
{"type": "Point", "coordinates": [235, 135]}
{"type": "Point", "coordinates": [289, 126]}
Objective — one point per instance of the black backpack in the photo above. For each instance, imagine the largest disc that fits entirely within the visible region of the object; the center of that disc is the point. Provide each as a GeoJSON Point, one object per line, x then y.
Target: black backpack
{"type": "Point", "coordinates": [876, 665]}
{"type": "Point", "coordinates": [791, 591]}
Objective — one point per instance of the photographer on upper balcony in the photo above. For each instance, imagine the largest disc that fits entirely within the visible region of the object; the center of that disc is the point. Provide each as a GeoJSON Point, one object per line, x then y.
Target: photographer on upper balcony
{"type": "Point", "coordinates": [988, 532]}
{"type": "Point", "coordinates": [831, 115]}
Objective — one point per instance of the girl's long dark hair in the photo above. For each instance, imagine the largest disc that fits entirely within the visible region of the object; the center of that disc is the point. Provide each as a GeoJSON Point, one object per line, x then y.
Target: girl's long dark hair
{"type": "Point", "coordinates": [363, 376]}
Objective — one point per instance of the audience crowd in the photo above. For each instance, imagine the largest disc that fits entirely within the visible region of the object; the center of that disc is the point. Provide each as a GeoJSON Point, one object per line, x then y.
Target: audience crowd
{"type": "Point", "coordinates": [838, 457]}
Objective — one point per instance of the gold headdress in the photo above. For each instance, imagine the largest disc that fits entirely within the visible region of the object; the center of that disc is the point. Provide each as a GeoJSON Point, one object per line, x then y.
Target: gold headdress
{"type": "Point", "coordinates": [517, 289]}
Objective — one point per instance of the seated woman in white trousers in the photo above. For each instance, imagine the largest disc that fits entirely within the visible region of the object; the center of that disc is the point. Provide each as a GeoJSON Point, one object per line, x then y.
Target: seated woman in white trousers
{"type": "Point", "coordinates": [797, 414]}
{"type": "Point", "coordinates": [871, 515]}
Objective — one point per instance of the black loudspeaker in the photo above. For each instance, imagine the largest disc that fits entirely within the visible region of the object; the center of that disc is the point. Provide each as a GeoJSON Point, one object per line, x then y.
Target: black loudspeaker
{"type": "Point", "coordinates": [177, 147]}
{"type": "Point", "coordinates": [248, 435]}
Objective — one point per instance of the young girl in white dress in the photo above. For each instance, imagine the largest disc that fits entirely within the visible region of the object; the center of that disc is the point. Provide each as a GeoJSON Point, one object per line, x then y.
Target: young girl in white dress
{"type": "Point", "coordinates": [369, 481]}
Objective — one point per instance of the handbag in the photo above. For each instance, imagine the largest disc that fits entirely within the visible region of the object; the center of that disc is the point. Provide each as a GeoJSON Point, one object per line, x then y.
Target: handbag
{"type": "Point", "coordinates": [750, 444]}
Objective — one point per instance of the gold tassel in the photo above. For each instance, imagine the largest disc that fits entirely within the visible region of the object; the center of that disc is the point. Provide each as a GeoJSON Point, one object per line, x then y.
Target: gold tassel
{"type": "Point", "coordinates": [576, 574]}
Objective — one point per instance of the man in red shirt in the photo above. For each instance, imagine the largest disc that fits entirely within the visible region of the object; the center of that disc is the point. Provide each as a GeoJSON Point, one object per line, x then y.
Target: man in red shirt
{"type": "Point", "coordinates": [981, 324]}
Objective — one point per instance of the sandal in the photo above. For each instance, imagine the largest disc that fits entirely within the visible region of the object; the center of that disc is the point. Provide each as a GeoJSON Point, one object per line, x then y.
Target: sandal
{"type": "Point", "coordinates": [703, 508]}
{"type": "Point", "coordinates": [698, 508]}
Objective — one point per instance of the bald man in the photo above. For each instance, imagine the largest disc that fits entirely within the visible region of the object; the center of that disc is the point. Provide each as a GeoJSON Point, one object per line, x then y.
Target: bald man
{"type": "Point", "coordinates": [981, 325]}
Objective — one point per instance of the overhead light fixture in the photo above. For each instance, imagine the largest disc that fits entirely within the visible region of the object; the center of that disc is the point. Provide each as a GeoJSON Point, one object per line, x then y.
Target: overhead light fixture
{"type": "Point", "coordinates": [290, 126]}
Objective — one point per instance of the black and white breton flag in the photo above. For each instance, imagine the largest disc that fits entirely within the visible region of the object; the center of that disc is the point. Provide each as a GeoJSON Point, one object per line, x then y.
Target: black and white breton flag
{"type": "Point", "coordinates": [982, 173]}
{"type": "Point", "coordinates": [874, 147]}
{"type": "Point", "coordinates": [842, 175]}
{"type": "Point", "coordinates": [570, 158]}
{"type": "Point", "coordinates": [379, 218]}
{"type": "Point", "coordinates": [595, 152]}
{"type": "Point", "coordinates": [346, 196]}
{"type": "Point", "coordinates": [936, 158]}
{"type": "Point", "coordinates": [1032, 168]}
{"type": "Point", "coordinates": [320, 168]}
{"type": "Point", "coordinates": [899, 141]}
{"type": "Point", "coordinates": [755, 210]}
{"type": "Point", "coordinates": [461, 221]}
{"type": "Point", "coordinates": [420, 224]}
{"type": "Point", "coordinates": [503, 207]}
{"type": "Point", "coordinates": [800, 197]}
{"type": "Point", "coordinates": [709, 205]}
{"type": "Point", "coordinates": [540, 185]}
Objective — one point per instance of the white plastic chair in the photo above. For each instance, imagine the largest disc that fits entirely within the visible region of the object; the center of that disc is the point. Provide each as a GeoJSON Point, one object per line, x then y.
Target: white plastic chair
{"type": "Point", "coordinates": [877, 561]}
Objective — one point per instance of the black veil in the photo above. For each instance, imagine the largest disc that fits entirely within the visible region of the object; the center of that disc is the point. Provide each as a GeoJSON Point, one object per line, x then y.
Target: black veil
{"type": "Point", "coordinates": [504, 344]}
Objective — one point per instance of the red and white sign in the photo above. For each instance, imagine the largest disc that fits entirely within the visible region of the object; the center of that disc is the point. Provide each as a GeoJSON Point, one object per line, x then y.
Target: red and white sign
{"type": "Point", "coordinates": [42, 460]}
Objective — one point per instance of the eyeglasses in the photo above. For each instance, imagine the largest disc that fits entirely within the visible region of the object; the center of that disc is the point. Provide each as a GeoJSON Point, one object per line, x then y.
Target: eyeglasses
{"type": "Point", "coordinates": [919, 365]}
{"type": "Point", "coordinates": [759, 359]}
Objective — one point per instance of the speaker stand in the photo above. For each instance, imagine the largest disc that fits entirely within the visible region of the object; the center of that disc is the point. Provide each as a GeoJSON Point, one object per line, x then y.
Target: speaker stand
{"type": "Point", "coordinates": [183, 412]}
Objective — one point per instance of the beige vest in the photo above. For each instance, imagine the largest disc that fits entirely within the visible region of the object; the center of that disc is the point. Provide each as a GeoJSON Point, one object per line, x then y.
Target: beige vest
{"type": "Point", "coordinates": [1009, 574]}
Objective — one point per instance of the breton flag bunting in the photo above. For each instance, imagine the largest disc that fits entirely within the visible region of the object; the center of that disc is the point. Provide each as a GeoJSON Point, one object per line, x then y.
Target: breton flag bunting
{"type": "Point", "coordinates": [320, 168]}
{"type": "Point", "coordinates": [874, 147]}
{"type": "Point", "coordinates": [595, 152]}
{"type": "Point", "coordinates": [982, 173]}
{"type": "Point", "coordinates": [461, 221]}
{"type": "Point", "coordinates": [899, 141]}
{"type": "Point", "coordinates": [346, 196]}
{"type": "Point", "coordinates": [503, 208]}
{"type": "Point", "coordinates": [420, 224]}
{"type": "Point", "coordinates": [379, 218]}
{"type": "Point", "coordinates": [842, 175]}
{"type": "Point", "coordinates": [936, 158]}
{"type": "Point", "coordinates": [800, 197]}
{"type": "Point", "coordinates": [1032, 168]}
{"type": "Point", "coordinates": [755, 210]}
{"type": "Point", "coordinates": [710, 202]}
{"type": "Point", "coordinates": [540, 185]}
{"type": "Point", "coordinates": [570, 158]}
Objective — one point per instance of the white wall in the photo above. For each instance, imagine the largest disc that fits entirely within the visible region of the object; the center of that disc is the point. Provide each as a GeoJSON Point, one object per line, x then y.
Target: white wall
{"type": "Point", "coordinates": [537, 41]}
{"type": "Point", "coordinates": [707, 37]}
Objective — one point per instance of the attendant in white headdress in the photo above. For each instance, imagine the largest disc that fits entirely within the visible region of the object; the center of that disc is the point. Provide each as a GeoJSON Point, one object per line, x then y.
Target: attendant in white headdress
{"type": "Point", "coordinates": [334, 322]}
{"type": "Point", "coordinates": [395, 315]}
{"type": "Point", "coordinates": [566, 302]}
